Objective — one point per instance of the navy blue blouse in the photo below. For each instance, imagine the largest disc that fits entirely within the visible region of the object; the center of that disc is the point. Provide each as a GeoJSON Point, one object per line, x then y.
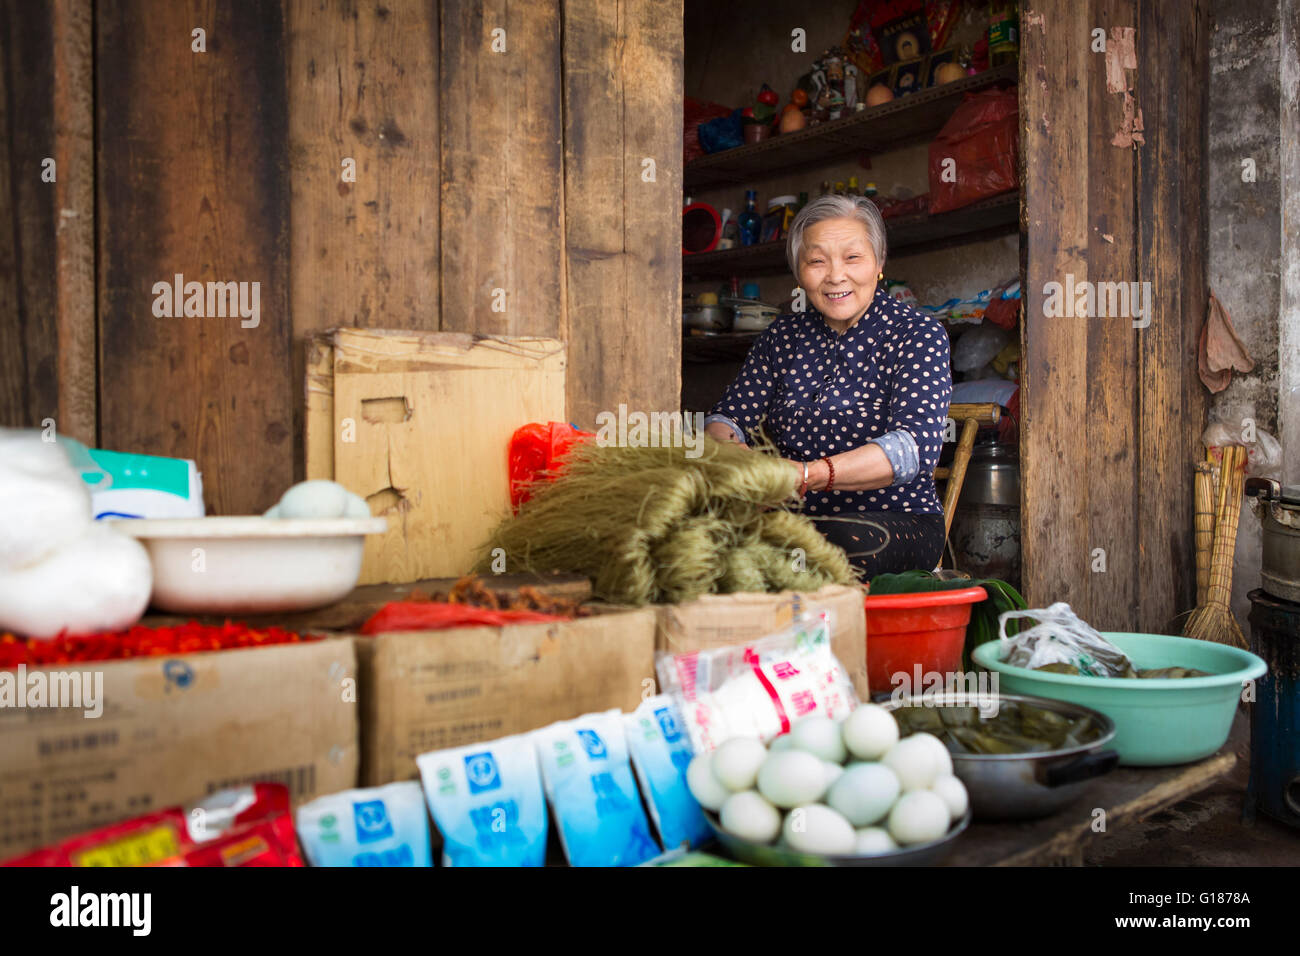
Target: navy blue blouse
{"type": "Point", "coordinates": [820, 393]}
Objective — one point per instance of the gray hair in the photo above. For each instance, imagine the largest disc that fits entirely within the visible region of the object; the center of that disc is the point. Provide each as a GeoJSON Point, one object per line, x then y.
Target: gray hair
{"type": "Point", "coordinates": [836, 207]}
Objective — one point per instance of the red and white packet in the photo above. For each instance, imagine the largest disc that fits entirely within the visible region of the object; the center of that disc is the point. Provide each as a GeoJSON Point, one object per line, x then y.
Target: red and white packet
{"type": "Point", "coordinates": [759, 689]}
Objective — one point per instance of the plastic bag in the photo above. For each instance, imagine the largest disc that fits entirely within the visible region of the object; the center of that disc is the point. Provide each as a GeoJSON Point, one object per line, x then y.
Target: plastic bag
{"type": "Point", "coordinates": [661, 752]}
{"type": "Point", "coordinates": [535, 451]}
{"type": "Point", "coordinates": [979, 347]}
{"type": "Point", "coordinates": [487, 801]}
{"type": "Point", "coordinates": [725, 132]}
{"type": "Point", "coordinates": [979, 144]}
{"type": "Point", "coordinates": [243, 826]}
{"type": "Point", "coordinates": [1060, 637]}
{"type": "Point", "coordinates": [696, 112]}
{"type": "Point", "coordinates": [758, 689]}
{"type": "Point", "coordinates": [442, 616]}
{"type": "Point", "coordinates": [377, 826]}
{"type": "Point", "coordinates": [589, 784]}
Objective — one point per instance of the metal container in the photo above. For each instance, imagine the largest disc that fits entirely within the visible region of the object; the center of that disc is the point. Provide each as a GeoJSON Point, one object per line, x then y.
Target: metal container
{"type": "Point", "coordinates": [1027, 785]}
{"type": "Point", "coordinates": [762, 854]}
{"type": "Point", "coordinates": [986, 529]}
{"type": "Point", "coordinates": [1275, 716]}
{"type": "Point", "coordinates": [1279, 515]}
{"type": "Point", "coordinates": [707, 318]}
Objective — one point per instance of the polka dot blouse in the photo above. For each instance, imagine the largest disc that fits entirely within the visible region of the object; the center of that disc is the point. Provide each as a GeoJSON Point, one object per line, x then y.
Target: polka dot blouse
{"type": "Point", "coordinates": [821, 393]}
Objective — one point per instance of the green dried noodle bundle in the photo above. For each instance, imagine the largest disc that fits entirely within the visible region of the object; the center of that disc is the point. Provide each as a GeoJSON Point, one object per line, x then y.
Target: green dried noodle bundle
{"type": "Point", "coordinates": [651, 525]}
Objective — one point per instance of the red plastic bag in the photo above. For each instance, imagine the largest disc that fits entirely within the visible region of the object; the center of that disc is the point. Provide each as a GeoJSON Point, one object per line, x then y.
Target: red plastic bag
{"type": "Point", "coordinates": [440, 616]}
{"type": "Point", "coordinates": [535, 450]}
{"type": "Point", "coordinates": [243, 826]}
{"type": "Point", "coordinates": [982, 139]}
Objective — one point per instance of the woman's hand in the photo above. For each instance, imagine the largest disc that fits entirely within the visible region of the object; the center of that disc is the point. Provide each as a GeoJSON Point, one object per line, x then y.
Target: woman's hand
{"type": "Point", "coordinates": [721, 432]}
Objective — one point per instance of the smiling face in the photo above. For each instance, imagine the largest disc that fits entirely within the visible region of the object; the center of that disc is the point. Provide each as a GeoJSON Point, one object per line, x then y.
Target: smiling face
{"type": "Point", "coordinates": [838, 269]}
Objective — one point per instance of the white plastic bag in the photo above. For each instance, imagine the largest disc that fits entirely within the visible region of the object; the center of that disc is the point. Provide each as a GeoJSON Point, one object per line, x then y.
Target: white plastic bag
{"type": "Point", "coordinates": [1060, 637]}
{"type": "Point", "coordinates": [758, 689]}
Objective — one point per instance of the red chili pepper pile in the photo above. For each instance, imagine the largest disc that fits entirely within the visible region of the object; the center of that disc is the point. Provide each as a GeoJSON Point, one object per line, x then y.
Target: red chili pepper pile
{"type": "Point", "coordinates": [138, 641]}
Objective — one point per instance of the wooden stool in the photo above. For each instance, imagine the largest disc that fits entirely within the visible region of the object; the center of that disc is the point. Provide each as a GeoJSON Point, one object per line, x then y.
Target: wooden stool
{"type": "Point", "coordinates": [972, 417]}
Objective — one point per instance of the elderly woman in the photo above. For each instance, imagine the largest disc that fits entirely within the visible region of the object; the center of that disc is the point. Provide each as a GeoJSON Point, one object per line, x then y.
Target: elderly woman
{"type": "Point", "coordinates": [854, 392]}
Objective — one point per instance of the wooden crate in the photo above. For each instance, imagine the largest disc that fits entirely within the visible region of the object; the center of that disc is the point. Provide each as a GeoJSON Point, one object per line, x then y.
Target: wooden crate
{"type": "Point", "coordinates": [418, 424]}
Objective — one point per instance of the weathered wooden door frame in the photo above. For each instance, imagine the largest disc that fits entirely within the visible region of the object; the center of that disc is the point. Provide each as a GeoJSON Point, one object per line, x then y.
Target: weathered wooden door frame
{"type": "Point", "coordinates": [1113, 166]}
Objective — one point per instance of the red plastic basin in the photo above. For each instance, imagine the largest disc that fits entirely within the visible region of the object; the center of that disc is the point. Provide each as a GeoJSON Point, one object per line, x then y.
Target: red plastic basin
{"type": "Point", "coordinates": [904, 630]}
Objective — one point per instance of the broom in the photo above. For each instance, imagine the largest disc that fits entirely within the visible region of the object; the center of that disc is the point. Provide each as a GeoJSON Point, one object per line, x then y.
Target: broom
{"type": "Point", "coordinates": [1213, 620]}
{"type": "Point", "coordinates": [1204, 518]}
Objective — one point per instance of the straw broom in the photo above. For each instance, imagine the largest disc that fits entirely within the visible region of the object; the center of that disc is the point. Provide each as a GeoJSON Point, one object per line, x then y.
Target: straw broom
{"type": "Point", "coordinates": [1204, 517]}
{"type": "Point", "coordinates": [1213, 620]}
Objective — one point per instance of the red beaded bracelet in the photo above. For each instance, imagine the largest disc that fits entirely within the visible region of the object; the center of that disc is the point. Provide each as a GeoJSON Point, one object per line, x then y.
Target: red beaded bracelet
{"type": "Point", "coordinates": [830, 481]}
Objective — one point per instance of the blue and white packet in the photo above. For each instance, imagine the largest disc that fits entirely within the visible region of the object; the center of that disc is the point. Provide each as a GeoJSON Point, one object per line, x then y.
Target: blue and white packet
{"type": "Point", "coordinates": [487, 801]}
{"type": "Point", "coordinates": [377, 826]}
{"type": "Point", "coordinates": [661, 751]}
{"type": "Point", "coordinates": [589, 783]}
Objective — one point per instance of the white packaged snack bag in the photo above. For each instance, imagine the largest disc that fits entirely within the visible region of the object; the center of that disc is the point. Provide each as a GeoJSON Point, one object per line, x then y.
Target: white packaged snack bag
{"type": "Point", "coordinates": [376, 826]}
{"type": "Point", "coordinates": [758, 689]}
{"type": "Point", "coordinates": [487, 802]}
{"type": "Point", "coordinates": [661, 751]}
{"type": "Point", "coordinates": [589, 784]}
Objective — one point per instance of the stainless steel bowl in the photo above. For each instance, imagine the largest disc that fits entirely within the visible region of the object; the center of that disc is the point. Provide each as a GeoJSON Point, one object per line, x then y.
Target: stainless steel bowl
{"type": "Point", "coordinates": [1026, 785]}
{"type": "Point", "coordinates": [762, 854]}
{"type": "Point", "coordinates": [707, 318]}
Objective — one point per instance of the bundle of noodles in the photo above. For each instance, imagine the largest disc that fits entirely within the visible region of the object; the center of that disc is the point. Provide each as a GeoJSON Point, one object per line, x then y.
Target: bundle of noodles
{"type": "Point", "coordinates": [651, 525]}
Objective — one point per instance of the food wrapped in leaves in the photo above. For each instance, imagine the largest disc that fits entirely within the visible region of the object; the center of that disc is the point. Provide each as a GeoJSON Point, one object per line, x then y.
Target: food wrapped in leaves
{"type": "Point", "coordinates": [1171, 672]}
{"type": "Point", "coordinates": [1016, 728]}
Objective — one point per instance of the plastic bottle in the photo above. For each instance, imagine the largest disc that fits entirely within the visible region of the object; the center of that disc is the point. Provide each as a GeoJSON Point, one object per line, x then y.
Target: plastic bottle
{"type": "Point", "coordinates": [751, 223]}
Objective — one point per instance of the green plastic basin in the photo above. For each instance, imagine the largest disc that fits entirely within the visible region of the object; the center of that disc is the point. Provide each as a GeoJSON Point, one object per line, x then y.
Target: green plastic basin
{"type": "Point", "coordinates": [1157, 722]}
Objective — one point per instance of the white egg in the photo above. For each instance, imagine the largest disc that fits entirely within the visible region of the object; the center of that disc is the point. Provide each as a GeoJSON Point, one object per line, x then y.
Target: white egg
{"type": "Point", "coordinates": [864, 794]}
{"type": "Point", "coordinates": [736, 762]}
{"type": "Point", "coordinates": [318, 498]}
{"type": "Point", "coordinates": [869, 732]}
{"type": "Point", "coordinates": [872, 841]}
{"type": "Point", "coordinates": [819, 736]}
{"type": "Point", "coordinates": [941, 753]}
{"type": "Point", "coordinates": [918, 817]}
{"type": "Point", "coordinates": [781, 743]}
{"type": "Point", "coordinates": [704, 786]}
{"type": "Point", "coordinates": [355, 507]}
{"type": "Point", "coordinates": [833, 773]}
{"type": "Point", "coordinates": [814, 828]}
{"type": "Point", "coordinates": [914, 762]}
{"type": "Point", "coordinates": [952, 792]}
{"type": "Point", "coordinates": [791, 777]}
{"type": "Point", "coordinates": [750, 817]}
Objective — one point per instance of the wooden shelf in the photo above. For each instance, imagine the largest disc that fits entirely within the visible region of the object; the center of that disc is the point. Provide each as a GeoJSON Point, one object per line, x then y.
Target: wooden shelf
{"type": "Point", "coordinates": [721, 347]}
{"type": "Point", "coordinates": [917, 116]}
{"type": "Point", "coordinates": [907, 235]}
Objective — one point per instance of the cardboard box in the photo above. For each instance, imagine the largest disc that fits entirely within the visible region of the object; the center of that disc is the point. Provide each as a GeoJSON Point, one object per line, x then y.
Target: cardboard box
{"type": "Point", "coordinates": [430, 690]}
{"type": "Point", "coordinates": [176, 728]}
{"type": "Point", "coordinates": [719, 620]}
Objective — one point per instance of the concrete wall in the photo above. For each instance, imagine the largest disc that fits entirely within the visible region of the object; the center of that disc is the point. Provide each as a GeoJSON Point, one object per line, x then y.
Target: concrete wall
{"type": "Point", "coordinates": [1254, 246]}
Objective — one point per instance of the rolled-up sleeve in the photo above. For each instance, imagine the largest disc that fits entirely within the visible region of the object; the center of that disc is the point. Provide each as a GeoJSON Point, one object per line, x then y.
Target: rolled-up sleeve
{"type": "Point", "coordinates": [745, 401]}
{"type": "Point", "coordinates": [922, 390]}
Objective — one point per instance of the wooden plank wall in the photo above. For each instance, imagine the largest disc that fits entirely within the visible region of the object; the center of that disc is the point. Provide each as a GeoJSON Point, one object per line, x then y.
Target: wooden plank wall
{"type": "Point", "coordinates": [477, 169]}
{"type": "Point", "coordinates": [1112, 412]}
{"type": "Point", "coordinates": [193, 181]}
{"type": "Point", "coordinates": [28, 337]}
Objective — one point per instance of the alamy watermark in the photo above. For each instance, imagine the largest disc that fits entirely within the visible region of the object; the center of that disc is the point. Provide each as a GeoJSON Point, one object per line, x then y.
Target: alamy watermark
{"type": "Point", "coordinates": [626, 429]}
{"type": "Point", "coordinates": [41, 689]}
{"type": "Point", "coordinates": [1098, 300]}
{"type": "Point", "coordinates": [211, 300]}
{"type": "Point", "coordinates": [955, 688]}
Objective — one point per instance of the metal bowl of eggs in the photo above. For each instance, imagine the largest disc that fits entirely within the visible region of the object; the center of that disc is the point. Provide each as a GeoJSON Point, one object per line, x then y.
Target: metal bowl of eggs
{"type": "Point", "coordinates": [763, 854]}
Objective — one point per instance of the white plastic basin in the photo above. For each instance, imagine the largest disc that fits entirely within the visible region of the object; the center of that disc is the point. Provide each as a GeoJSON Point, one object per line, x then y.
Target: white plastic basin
{"type": "Point", "coordinates": [251, 565]}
